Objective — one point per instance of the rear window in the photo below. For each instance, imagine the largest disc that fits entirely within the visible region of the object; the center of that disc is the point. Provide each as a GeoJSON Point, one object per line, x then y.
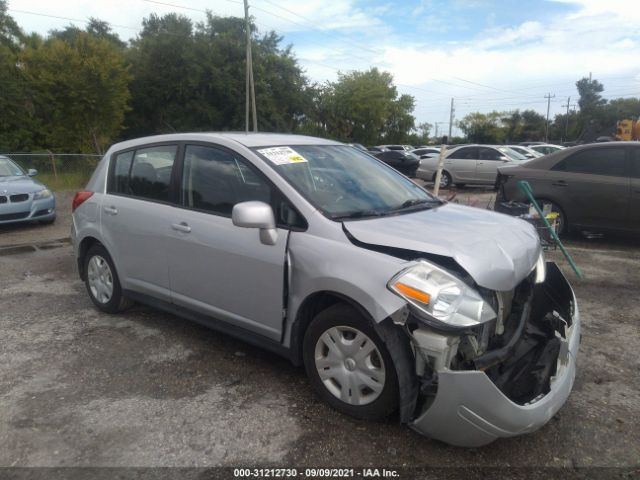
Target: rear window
{"type": "Point", "coordinates": [596, 161]}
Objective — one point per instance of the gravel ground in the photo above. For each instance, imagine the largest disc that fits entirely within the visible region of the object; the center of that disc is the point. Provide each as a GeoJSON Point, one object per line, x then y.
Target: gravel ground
{"type": "Point", "coordinates": [144, 388]}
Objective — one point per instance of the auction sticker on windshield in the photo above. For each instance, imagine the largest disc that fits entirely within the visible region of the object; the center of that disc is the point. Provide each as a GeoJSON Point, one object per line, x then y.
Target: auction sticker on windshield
{"type": "Point", "coordinates": [282, 155]}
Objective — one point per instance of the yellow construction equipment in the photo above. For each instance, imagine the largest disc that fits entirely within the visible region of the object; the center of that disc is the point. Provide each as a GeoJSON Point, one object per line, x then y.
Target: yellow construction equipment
{"type": "Point", "coordinates": [628, 130]}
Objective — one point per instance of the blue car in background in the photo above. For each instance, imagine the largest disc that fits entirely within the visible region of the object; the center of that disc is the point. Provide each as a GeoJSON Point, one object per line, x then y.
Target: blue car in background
{"type": "Point", "coordinates": [22, 198]}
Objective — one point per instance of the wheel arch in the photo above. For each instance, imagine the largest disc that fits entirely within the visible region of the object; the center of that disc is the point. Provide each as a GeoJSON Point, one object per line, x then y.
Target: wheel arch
{"type": "Point", "coordinates": [83, 247]}
{"type": "Point", "coordinates": [313, 304]}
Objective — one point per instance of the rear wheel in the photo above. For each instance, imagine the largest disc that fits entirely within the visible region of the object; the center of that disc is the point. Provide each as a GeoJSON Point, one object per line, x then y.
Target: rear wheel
{"type": "Point", "coordinates": [349, 365]}
{"type": "Point", "coordinates": [101, 280]}
{"type": "Point", "coordinates": [562, 226]}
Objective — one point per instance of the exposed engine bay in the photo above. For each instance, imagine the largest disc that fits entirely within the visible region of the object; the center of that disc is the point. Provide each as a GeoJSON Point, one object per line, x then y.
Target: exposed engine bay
{"type": "Point", "coordinates": [518, 351]}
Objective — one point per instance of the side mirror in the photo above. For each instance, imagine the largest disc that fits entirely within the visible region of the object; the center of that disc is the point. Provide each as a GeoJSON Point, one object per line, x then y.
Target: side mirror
{"type": "Point", "coordinates": [504, 158]}
{"type": "Point", "coordinates": [32, 172]}
{"type": "Point", "coordinates": [256, 215]}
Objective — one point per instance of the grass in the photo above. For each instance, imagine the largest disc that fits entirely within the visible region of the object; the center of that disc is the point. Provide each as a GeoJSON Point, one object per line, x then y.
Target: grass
{"type": "Point", "coordinates": [64, 181]}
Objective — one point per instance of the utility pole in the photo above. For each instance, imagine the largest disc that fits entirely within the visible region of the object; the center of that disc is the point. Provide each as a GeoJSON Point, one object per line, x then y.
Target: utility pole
{"type": "Point", "coordinates": [566, 121]}
{"type": "Point", "coordinates": [249, 85]}
{"type": "Point", "coordinates": [451, 113]}
{"type": "Point", "coordinates": [546, 126]}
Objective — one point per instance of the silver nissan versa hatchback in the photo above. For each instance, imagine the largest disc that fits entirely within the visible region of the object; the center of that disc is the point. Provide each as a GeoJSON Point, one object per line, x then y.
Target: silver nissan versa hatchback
{"type": "Point", "coordinates": [392, 299]}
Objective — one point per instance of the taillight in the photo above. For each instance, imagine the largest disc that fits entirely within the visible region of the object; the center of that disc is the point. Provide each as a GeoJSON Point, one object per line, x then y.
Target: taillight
{"type": "Point", "coordinates": [79, 199]}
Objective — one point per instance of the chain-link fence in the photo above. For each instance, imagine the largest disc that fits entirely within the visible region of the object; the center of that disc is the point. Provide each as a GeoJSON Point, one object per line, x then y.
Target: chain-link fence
{"type": "Point", "coordinates": [58, 171]}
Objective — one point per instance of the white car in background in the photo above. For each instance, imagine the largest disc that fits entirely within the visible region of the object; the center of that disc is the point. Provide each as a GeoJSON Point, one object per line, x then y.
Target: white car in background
{"type": "Point", "coordinates": [525, 151]}
{"type": "Point", "coordinates": [426, 152]}
{"type": "Point", "coordinates": [469, 164]}
{"type": "Point", "coordinates": [546, 148]}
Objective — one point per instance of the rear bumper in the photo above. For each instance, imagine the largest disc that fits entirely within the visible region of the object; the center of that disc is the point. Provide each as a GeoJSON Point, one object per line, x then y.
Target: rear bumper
{"type": "Point", "coordinates": [470, 411]}
{"type": "Point", "coordinates": [28, 211]}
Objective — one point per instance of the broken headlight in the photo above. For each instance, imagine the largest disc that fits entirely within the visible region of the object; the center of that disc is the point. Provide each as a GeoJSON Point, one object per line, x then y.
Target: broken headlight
{"type": "Point", "coordinates": [439, 298]}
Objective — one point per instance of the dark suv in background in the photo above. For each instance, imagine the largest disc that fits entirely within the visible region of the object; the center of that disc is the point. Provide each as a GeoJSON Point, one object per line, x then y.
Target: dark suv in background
{"type": "Point", "coordinates": [594, 186]}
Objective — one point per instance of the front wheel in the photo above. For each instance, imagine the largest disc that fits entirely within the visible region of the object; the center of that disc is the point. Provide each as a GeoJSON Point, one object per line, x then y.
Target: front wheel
{"type": "Point", "coordinates": [348, 364]}
{"type": "Point", "coordinates": [445, 179]}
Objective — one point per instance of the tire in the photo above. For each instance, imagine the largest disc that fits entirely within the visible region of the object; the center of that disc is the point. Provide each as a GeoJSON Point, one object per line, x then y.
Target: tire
{"type": "Point", "coordinates": [102, 282]}
{"type": "Point", "coordinates": [563, 224]}
{"type": "Point", "coordinates": [375, 395]}
{"type": "Point", "coordinates": [445, 179]}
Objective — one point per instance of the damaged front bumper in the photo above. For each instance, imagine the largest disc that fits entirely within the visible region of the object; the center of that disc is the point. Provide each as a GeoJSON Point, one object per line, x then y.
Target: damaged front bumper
{"type": "Point", "coordinates": [469, 410]}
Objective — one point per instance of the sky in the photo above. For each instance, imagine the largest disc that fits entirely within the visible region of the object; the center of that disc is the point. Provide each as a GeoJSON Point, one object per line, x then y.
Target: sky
{"type": "Point", "coordinates": [487, 55]}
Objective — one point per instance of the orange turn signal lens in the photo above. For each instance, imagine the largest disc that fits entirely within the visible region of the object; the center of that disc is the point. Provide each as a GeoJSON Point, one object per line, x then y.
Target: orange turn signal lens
{"type": "Point", "coordinates": [412, 292]}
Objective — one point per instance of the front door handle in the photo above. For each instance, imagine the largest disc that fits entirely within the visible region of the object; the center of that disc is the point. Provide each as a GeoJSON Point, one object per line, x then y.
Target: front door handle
{"type": "Point", "coordinates": [181, 227]}
{"type": "Point", "coordinates": [560, 183]}
{"type": "Point", "coordinates": [111, 210]}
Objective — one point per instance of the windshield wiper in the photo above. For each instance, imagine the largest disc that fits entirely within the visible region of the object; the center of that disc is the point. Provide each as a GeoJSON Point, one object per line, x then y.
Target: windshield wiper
{"type": "Point", "coordinates": [359, 214]}
{"type": "Point", "coordinates": [415, 202]}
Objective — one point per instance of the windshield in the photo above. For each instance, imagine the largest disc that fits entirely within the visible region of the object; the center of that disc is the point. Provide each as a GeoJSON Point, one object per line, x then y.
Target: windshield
{"type": "Point", "coordinates": [9, 169]}
{"type": "Point", "coordinates": [344, 182]}
{"type": "Point", "coordinates": [512, 154]}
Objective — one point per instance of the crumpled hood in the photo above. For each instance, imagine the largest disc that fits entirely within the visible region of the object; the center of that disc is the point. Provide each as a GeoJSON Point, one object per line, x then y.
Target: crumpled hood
{"type": "Point", "coordinates": [498, 251]}
{"type": "Point", "coordinates": [14, 185]}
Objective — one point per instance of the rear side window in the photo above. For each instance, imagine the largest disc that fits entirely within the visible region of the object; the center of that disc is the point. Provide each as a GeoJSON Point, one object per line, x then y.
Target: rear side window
{"type": "Point", "coordinates": [145, 173]}
{"type": "Point", "coordinates": [121, 173]}
{"type": "Point", "coordinates": [465, 153]}
{"type": "Point", "coordinates": [596, 161]}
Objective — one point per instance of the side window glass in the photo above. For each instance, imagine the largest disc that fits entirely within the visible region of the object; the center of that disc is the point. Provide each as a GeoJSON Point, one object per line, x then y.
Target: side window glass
{"type": "Point", "coordinates": [214, 180]}
{"type": "Point", "coordinates": [488, 154]}
{"type": "Point", "coordinates": [597, 161]}
{"type": "Point", "coordinates": [121, 172]}
{"type": "Point", "coordinates": [151, 172]}
{"type": "Point", "coordinates": [465, 153]}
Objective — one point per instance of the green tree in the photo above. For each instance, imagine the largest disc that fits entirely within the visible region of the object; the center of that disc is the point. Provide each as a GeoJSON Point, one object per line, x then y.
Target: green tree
{"type": "Point", "coordinates": [483, 128]}
{"type": "Point", "coordinates": [79, 89]}
{"type": "Point", "coordinates": [17, 122]}
{"type": "Point", "coordinates": [193, 78]}
{"type": "Point", "coordinates": [361, 107]}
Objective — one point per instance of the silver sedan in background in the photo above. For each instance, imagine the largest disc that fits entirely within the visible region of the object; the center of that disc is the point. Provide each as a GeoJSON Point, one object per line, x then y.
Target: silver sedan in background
{"type": "Point", "coordinates": [469, 164]}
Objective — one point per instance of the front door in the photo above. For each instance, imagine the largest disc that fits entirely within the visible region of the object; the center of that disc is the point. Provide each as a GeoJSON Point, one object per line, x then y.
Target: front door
{"type": "Point", "coordinates": [462, 164]}
{"type": "Point", "coordinates": [489, 159]}
{"type": "Point", "coordinates": [216, 268]}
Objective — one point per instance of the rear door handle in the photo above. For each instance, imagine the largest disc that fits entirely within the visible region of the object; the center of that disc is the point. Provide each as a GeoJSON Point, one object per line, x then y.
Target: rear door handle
{"type": "Point", "coordinates": [111, 210]}
{"type": "Point", "coordinates": [560, 183]}
{"type": "Point", "coordinates": [181, 227]}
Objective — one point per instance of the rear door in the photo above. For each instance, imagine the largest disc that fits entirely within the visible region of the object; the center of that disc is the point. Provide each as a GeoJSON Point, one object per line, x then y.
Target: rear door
{"type": "Point", "coordinates": [216, 268]}
{"type": "Point", "coordinates": [133, 216]}
{"type": "Point", "coordinates": [634, 202]}
{"type": "Point", "coordinates": [489, 159]}
{"type": "Point", "coordinates": [593, 187]}
{"type": "Point", "coordinates": [462, 164]}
